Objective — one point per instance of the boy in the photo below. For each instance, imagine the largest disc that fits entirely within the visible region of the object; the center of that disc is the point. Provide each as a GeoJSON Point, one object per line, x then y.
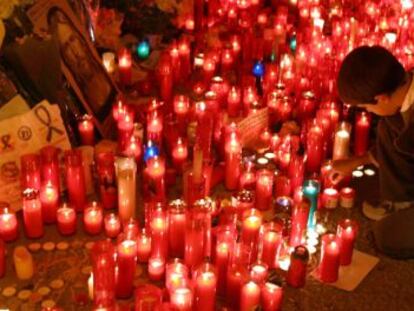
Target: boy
{"type": "Point", "coordinates": [372, 78]}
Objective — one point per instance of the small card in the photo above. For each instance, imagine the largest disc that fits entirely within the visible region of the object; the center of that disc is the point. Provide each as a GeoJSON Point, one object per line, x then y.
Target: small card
{"type": "Point", "coordinates": [351, 276]}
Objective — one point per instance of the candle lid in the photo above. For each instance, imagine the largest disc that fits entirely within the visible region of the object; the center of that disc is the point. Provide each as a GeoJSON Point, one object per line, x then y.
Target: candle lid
{"type": "Point", "coordinates": [301, 253]}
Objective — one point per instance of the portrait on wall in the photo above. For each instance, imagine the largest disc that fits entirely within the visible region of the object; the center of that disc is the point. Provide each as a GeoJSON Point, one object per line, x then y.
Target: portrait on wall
{"type": "Point", "coordinates": [80, 62]}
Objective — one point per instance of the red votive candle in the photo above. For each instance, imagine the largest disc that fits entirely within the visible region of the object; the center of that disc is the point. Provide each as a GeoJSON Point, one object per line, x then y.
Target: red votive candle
{"type": "Point", "coordinates": [271, 297]}
{"type": "Point", "coordinates": [347, 233]}
{"type": "Point", "coordinates": [49, 197]}
{"type": "Point", "coordinates": [125, 66]}
{"type": "Point", "coordinates": [264, 189]}
{"type": "Point", "coordinates": [250, 296]}
{"type": "Point", "coordinates": [144, 246]}
{"type": "Point", "coordinates": [347, 197]}
{"type": "Point", "coordinates": [361, 137]}
{"type": "Point", "coordinates": [259, 272]}
{"type": "Point", "coordinates": [330, 198]}
{"type": "Point", "coordinates": [330, 259]}
{"type": "Point", "coordinates": [156, 268]}
{"type": "Point", "coordinates": [126, 265]}
{"type": "Point", "coordinates": [176, 228]}
{"type": "Point", "coordinates": [93, 219]}
{"type": "Point", "coordinates": [182, 299]}
{"type": "Point", "coordinates": [271, 241]}
{"type": "Point", "coordinates": [159, 239]}
{"type": "Point", "coordinates": [233, 151]}
{"type": "Point", "coordinates": [205, 286]}
{"type": "Point", "coordinates": [8, 226]}
{"type": "Point", "coordinates": [112, 225]}
{"type": "Point", "coordinates": [296, 275]}
{"type": "Point", "coordinates": [32, 214]}
{"type": "Point", "coordinates": [75, 180]}
{"type": "Point", "coordinates": [66, 220]}
{"type": "Point", "coordinates": [179, 154]}
{"type": "Point", "coordinates": [299, 221]}
{"type": "Point", "coordinates": [147, 297]}
{"type": "Point", "coordinates": [86, 130]}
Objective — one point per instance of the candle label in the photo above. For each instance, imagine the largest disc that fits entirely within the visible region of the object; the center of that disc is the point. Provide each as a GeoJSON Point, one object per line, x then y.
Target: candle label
{"type": "Point", "coordinates": [251, 126]}
{"type": "Point", "coordinates": [27, 133]}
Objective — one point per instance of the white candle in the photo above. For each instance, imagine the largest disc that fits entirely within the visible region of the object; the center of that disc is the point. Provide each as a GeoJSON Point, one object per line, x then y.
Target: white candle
{"type": "Point", "coordinates": [126, 173]}
{"type": "Point", "coordinates": [341, 143]}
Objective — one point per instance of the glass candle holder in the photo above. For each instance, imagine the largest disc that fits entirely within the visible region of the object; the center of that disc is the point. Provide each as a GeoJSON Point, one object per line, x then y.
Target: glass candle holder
{"type": "Point", "coordinates": [103, 269]}
{"type": "Point", "coordinates": [270, 243]}
{"type": "Point", "coordinates": [105, 168]}
{"type": "Point", "coordinates": [311, 190]}
{"type": "Point", "coordinates": [32, 214]}
{"type": "Point", "coordinates": [66, 220]}
{"type": "Point", "coordinates": [126, 266]}
{"type": "Point", "coordinates": [347, 232]}
{"type": "Point", "coordinates": [50, 166]}
{"type": "Point", "coordinates": [8, 225]}
{"type": "Point", "coordinates": [177, 218]}
{"type": "Point", "coordinates": [30, 171]}
{"type": "Point", "coordinates": [93, 218]}
{"type": "Point", "coordinates": [147, 297]}
{"type": "Point", "coordinates": [126, 176]}
{"type": "Point", "coordinates": [205, 287]}
{"type": "Point", "coordinates": [112, 225]}
{"type": "Point", "coordinates": [75, 179]}
{"type": "Point", "coordinates": [296, 275]}
{"type": "Point", "coordinates": [330, 259]}
{"type": "Point", "coordinates": [271, 297]}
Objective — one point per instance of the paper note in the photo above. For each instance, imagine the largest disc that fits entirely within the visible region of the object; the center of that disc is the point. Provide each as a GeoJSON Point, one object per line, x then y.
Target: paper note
{"type": "Point", "coordinates": [22, 134]}
{"type": "Point", "coordinates": [251, 126]}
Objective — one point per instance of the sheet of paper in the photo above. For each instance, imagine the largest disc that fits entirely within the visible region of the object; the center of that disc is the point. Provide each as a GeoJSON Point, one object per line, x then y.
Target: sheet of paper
{"type": "Point", "coordinates": [351, 276]}
{"type": "Point", "coordinates": [13, 108]}
{"type": "Point", "coordinates": [22, 134]}
{"type": "Point", "coordinates": [251, 126]}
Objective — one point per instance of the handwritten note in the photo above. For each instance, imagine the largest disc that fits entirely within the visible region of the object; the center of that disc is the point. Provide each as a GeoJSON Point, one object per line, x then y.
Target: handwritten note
{"type": "Point", "coordinates": [22, 134]}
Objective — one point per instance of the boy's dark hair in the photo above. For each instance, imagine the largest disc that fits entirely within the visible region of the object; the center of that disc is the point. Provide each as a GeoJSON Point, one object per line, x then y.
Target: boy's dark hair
{"type": "Point", "coordinates": [367, 72]}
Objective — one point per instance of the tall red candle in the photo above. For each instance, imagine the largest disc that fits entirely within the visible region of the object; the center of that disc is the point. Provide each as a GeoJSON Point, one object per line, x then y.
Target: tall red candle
{"type": "Point", "coordinates": [103, 269]}
{"type": "Point", "coordinates": [49, 198]}
{"type": "Point", "coordinates": [179, 154]}
{"type": "Point", "coordinates": [50, 166]}
{"type": "Point", "coordinates": [205, 287]}
{"type": "Point", "coordinates": [176, 228]}
{"type": "Point", "coordinates": [66, 220]}
{"type": "Point", "coordinates": [125, 128]}
{"type": "Point", "coordinates": [155, 172]}
{"type": "Point", "coordinates": [361, 136]}
{"type": "Point", "coordinates": [236, 277]}
{"type": "Point", "coordinates": [271, 240]}
{"type": "Point", "coordinates": [299, 222]}
{"type": "Point", "coordinates": [347, 233]}
{"type": "Point", "coordinates": [32, 214]}
{"type": "Point", "coordinates": [75, 180]}
{"type": "Point", "coordinates": [233, 151]}
{"type": "Point", "coordinates": [30, 171]}
{"type": "Point", "coordinates": [314, 148]}
{"type": "Point", "coordinates": [105, 166]}
{"type": "Point", "coordinates": [126, 265]}
{"type": "Point", "coordinates": [159, 231]}
{"type": "Point", "coordinates": [330, 258]}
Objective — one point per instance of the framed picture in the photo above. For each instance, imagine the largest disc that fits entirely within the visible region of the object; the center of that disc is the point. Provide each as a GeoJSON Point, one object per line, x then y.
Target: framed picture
{"type": "Point", "coordinates": [80, 62]}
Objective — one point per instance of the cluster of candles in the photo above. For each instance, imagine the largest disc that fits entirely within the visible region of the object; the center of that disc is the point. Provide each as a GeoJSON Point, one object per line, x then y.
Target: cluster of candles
{"type": "Point", "coordinates": [283, 61]}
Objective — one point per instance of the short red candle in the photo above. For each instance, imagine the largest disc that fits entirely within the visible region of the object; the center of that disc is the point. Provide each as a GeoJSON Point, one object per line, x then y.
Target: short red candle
{"type": "Point", "coordinates": [93, 219]}
{"type": "Point", "coordinates": [126, 265]}
{"type": "Point", "coordinates": [66, 220]}
{"type": "Point", "coordinates": [259, 272]}
{"type": "Point", "coordinates": [314, 148]}
{"type": "Point", "coordinates": [112, 225]}
{"type": "Point", "coordinates": [176, 274]}
{"type": "Point", "coordinates": [252, 221]}
{"type": "Point", "coordinates": [205, 288]}
{"type": "Point", "coordinates": [330, 198]}
{"type": "Point", "coordinates": [156, 268]}
{"type": "Point", "coordinates": [271, 295]}
{"type": "Point", "coordinates": [32, 214]}
{"type": "Point", "coordinates": [361, 137]}
{"type": "Point", "coordinates": [144, 246]}
{"type": "Point", "coordinates": [233, 101]}
{"type": "Point", "coordinates": [86, 130]}
{"type": "Point", "coordinates": [8, 226]}
{"type": "Point", "coordinates": [250, 296]}
{"type": "Point", "coordinates": [119, 109]}
{"type": "Point", "coordinates": [347, 197]}
{"type": "Point", "coordinates": [330, 259]}
{"type": "Point", "coordinates": [347, 233]}
{"type": "Point", "coordinates": [49, 197]}
{"type": "Point", "coordinates": [236, 277]}
{"type": "Point", "coordinates": [125, 66]}
{"type": "Point", "coordinates": [300, 215]}
{"type": "Point", "coordinates": [182, 299]}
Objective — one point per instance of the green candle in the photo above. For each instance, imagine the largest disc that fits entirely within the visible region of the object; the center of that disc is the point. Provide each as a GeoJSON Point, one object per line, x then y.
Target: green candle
{"type": "Point", "coordinates": [143, 49]}
{"type": "Point", "coordinates": [311, 189]}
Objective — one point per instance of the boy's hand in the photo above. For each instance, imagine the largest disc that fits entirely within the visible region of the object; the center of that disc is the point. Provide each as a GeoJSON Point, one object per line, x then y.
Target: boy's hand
{"type": "Point", "coordinates": [342, 168]}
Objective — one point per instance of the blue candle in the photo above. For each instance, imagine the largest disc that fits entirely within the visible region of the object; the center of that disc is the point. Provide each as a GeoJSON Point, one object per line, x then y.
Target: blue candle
{"type": "Point", "coordinates": [151, 150]}
{"type": "Point", "coordinates": [311, 190]}
{"type": "Point", "coordinates": [258, 69]}
{"type": "Point", "coordinates": [143, 49]}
